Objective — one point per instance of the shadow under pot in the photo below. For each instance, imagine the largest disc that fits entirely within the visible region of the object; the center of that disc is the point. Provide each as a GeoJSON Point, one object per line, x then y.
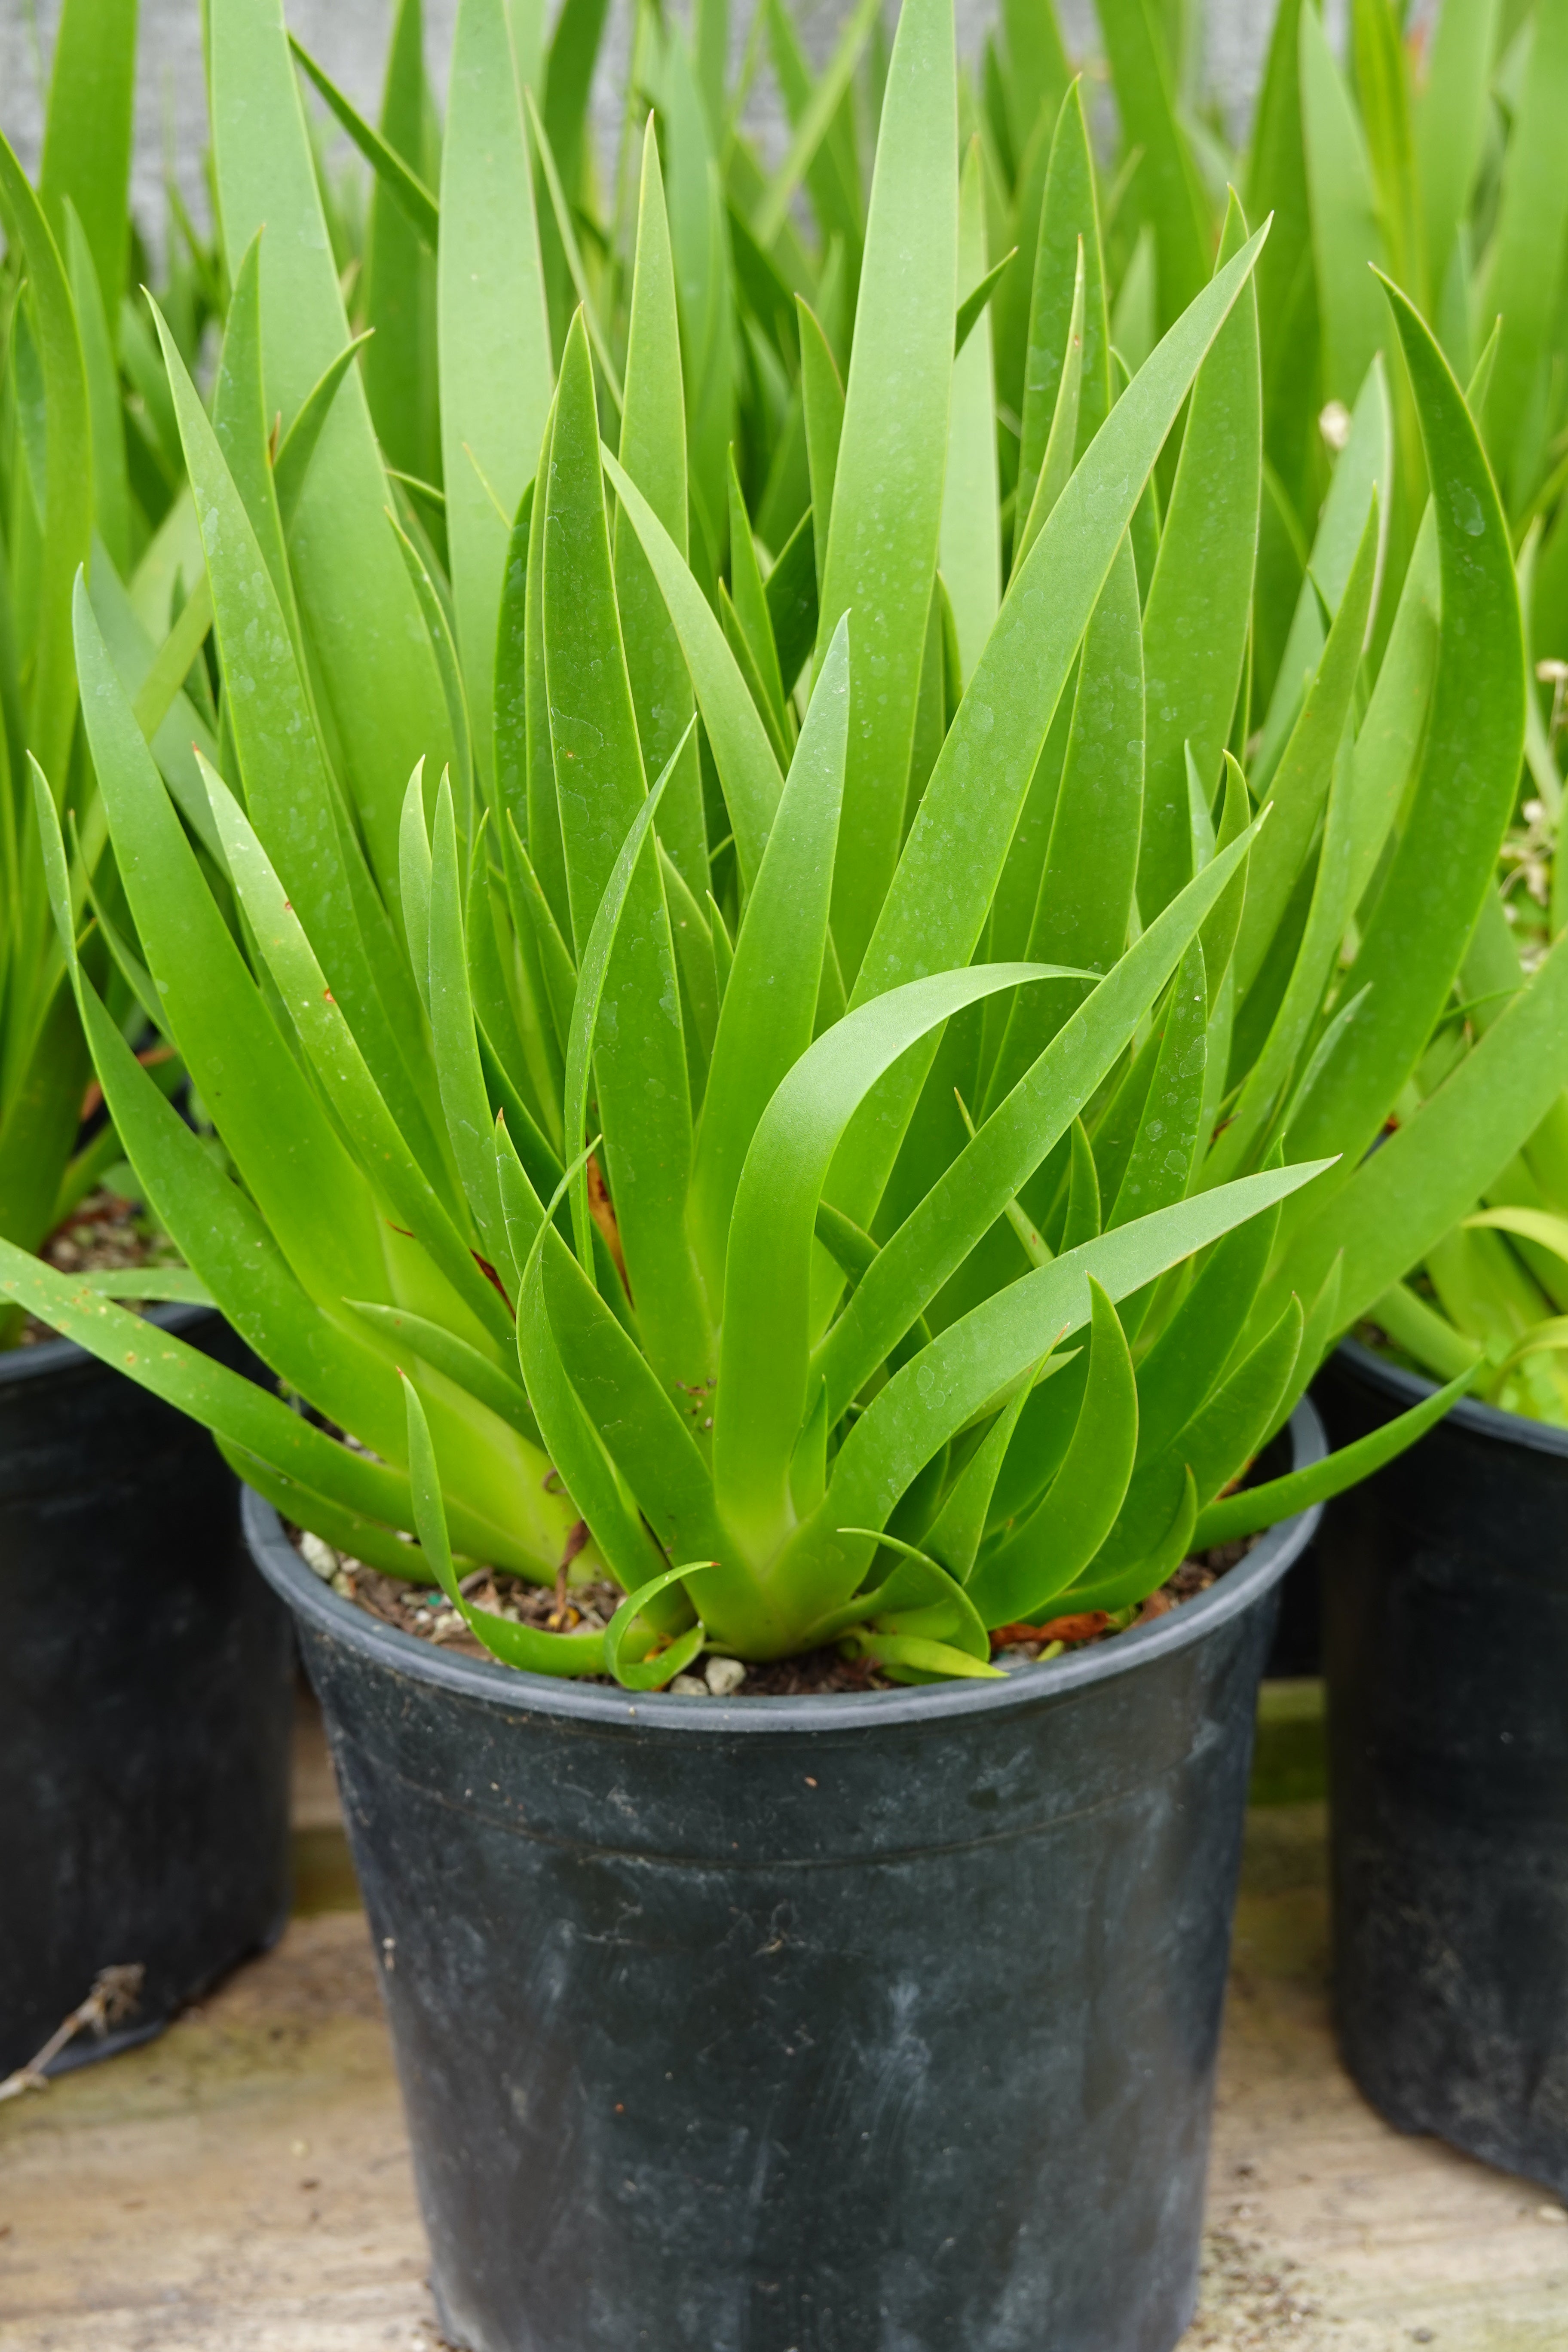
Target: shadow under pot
{"type": "Point", "coordinates": [739, 2025]}
{"type": "Point", "coordinates": [146, 1699]}
{"type": "Point", "coordinates": [1446, 1641]}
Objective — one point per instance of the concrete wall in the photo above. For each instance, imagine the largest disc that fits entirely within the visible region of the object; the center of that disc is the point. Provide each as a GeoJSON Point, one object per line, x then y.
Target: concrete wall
{"type": "Point", "coordinates": [349, 38]}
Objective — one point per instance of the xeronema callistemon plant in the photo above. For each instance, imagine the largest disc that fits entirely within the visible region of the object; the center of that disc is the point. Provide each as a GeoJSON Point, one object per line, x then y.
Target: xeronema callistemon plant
{"type": "Point", "coordinates": [84, 475]}
{"type": "Point", "coordinates": [1432, 150]}
{"type": "Point", "coordinates": [888, 1180]}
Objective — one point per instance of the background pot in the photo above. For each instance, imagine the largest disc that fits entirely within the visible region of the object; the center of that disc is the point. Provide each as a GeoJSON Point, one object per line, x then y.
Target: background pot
{"type": "Point", "coordinates": [868, 2021]}
{"type": "Point", "coordinates": [1445, 1636]}
{"type": "Point", "coordinates": [145, 1698]}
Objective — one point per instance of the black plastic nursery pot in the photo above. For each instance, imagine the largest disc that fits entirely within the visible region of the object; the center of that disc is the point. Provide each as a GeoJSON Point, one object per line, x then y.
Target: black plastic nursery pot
{"type": "Point", "coordinates": [805, 2025]}
{"type": "Point", "coordinates": [146, 1699]}
{"type": "Point", "coordinates": [1446, 1641]}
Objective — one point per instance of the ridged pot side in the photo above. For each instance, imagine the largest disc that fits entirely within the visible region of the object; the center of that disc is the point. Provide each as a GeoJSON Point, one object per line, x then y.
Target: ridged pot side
{"type": "Point", "coordinates": [146, 1694]}
{"type": "Point", "coordinates": [879, 2020]}
{"type": "Point", "coordinates": [1446, 1638]}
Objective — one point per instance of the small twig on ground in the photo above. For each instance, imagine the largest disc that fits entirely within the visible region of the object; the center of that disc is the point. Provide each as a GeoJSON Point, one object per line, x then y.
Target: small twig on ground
{"type": "Point", "coordinates": [115, 1993]}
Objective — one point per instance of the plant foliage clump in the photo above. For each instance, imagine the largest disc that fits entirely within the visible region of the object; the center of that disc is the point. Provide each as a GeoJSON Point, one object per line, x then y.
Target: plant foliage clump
{"type": "Point", "coordinates": [825, 1070]}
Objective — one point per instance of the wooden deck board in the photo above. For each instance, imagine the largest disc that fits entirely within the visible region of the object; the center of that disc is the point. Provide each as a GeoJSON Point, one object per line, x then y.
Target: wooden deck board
{"type": "Point", "coordinates": [242, 2184]}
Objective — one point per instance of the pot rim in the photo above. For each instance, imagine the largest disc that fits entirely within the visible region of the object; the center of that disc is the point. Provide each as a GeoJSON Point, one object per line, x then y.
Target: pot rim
{"type": "Point", "coordinates": [1488, 1421]}
{"type": "Point", "coordinates": [47, 1356]}
{"type": "Point", "coordinates": [594, 1704]}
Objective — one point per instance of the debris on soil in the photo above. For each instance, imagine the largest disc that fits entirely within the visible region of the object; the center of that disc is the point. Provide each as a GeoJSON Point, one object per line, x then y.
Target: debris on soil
{"type": "Point", "coordinates": [562, 1607]}
{"type": "Point", "coordinates": [424, 1609]}
{"type": "Point", "coordinates": [1032, 1644]}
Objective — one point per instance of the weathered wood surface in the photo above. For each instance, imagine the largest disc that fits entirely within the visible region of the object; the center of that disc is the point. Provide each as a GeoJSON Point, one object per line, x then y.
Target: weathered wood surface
{"type": "Point", "coordinates": [242, 2185]}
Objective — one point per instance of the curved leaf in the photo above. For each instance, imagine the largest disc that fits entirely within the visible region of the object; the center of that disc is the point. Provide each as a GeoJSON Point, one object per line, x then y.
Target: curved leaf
{"type": "Point", "coordinates": [767, 1277]}
{"type": "Point", "coordinates": [1198, 607]}
{"type": "Point", "coordinates": [1442, 869]}
{"type": "Point", "coordinates": [493, 336]}
{"type": "Point", "coordinates": [1079, 1508]}
{"type": "Point", "coordinates": [769, 998]}
{"type": "Point", "coordinates": [888, 485]}
{"type": "Point", "coordinates": [527, 1646]}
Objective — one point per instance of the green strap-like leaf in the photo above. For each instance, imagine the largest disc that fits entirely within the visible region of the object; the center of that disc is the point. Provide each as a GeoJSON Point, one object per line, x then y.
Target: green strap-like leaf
{"type": "Point", "coordinates": [1060, 452]}
{"type": "Point", "coordinates": [1407, 1194]}
{"type": "Point", "coordinates": [355, 599]}
{"type": "Point", "coordinates": [977, 301]}
{"type": "Point", "coordinates": [288, 793]}
{"type": "Point", "coordinates": [646, 1672]}
{"type": "Point", "coordinates": [222, 1400]}
{"type": "Point", "coordinates": [1279, 1498]}
{"type": "Point", "coordinates": [407, 190]}
{"type": "Point", "coordinates": [399, 279]}
{"type": "Point", "coordinates": [810, 130]}
{"type": "Point", "coordinates": [329, 1043]}
{"type": "Point", "coordinates": [1214, 1446]}
{"type": "Point", "coordinates": [110, 485]}
{"type": "Point", "coordinates": [751, 606]}
{"type": "Point", "coordinates": [570, 1439]}
{"type": "Point", "coordinates": [463, 1097]}
{"type": "Point", "coordinates": [1196, 613]}
{"type": "Point", "coordinates": [528, 1646]}
{"type": "Point", "coordinates": [1300, 784]}
{"type": "Point", "coordinates": [770, 997]}
{"type": "Point", "coordinates": [1347, 235]}
{"type": "Point", "coordinates": [792, 600]}
{"type": "Point", "coordinates": [953, 1536]}
{"type": "Point", "coordinates": [940, 1389]}
{"type": "Point", "coordinates": [942, 893]}
{"type": "Point", "coordinates": [1327, 916]}
{"type": "Point", "coordinates": [888, 485]}
{"type": "Point", "coordinates": [349, 1532]}
{"type": "Point", "coordinates": [297, 446]}
{"type": "Point", "coordinates": [639, 1055]}
{"type": "Point", "coordinates": [479, 1376]}
{"type": "Point", "coordinates": [653, 451]}
{"type": "Point", "coordinates": [822, 396]}
{"type": "Point", "coordinates": [1065, 1533]}
{"type": "Point", "coordinates": [767, 1279]}
{"type": "Point", "coordinates": [1068, 213]}
{"type": "Point", "coordinates": [66, 517]}
{"type": "Point", "coordinates": [495, 337]}
{"type": "Point", "coordinates": [973, 1191]}
{"type": "Point", "coordinates": [1123, 1587]}
{"type": "Point", "coordinates": [1450, 125]}
{"type": "Point", "coordinates": [243, 429]}
{"type": "Point", "coordinates": [219, 1231]}
{"type": "Point", "coordinates": [1527, 258]}
{"type": "Point", "coordinates": [1363, 470]}
{"type": "Point", "coordinates": [1085, 893]}
{"type": "Point", "coordinates": [1442, 869]}
{"type": "Point", "coordinates": [88, 133]}
{"type": "Point", "coordinates": [313, 1197]}
{"type": "Point", "coordinates": [657, 1446]}
{"type": "Point", "coordinates": [1180, 1370]}
{"type": "Point", "coordinates": [1159, 1165]}
{"type": "Point", "coordinates": [586, 1003]}
{"type": "Point", "coordinates": [1169, 192]}
{"type": "Point", "coordinates": [969, 544]}
{"type": "Point", "coordinates": [741, 752]}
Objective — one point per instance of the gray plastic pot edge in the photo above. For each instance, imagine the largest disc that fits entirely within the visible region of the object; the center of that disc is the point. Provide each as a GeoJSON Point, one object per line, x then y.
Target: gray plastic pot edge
{"type": "Point", "coordinates": [1470, 1413]}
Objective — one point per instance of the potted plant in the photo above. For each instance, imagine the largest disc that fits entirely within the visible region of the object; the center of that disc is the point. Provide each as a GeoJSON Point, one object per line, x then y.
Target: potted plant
{"type": "Point", "coordinates": [145, 1691]}
{"type": "Point", "coordinates": [1444, 1601]}
{"type": "Point", "coordinates": [787, 1251]}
